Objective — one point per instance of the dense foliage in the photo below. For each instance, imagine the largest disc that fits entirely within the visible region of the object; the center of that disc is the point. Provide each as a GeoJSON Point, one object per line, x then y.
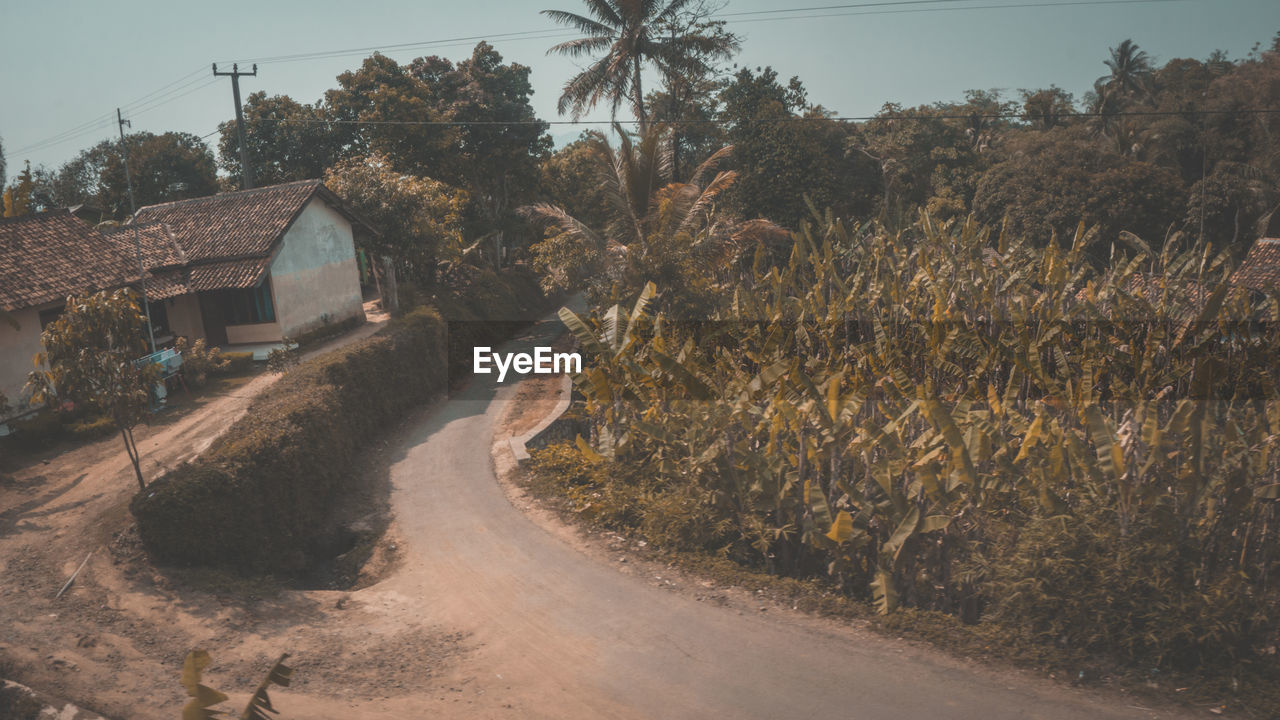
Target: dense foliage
{"type": "Point", "coordinates": [942, 418]}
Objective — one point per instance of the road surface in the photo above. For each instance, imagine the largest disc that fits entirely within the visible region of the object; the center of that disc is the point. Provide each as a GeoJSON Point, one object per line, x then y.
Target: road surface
{"type": "Point", "coordinates": [562, 634]}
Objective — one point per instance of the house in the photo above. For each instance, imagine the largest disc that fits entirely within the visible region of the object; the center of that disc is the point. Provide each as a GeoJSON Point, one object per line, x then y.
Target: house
{"type": "Point", "coordinates": [254, 266]}
{"type": "Point", "coordinates": [1260, 270]}
{"type": "Point", "coordinates": [241, 268]}
{"type": "Point", "coordinates": [44, 258]}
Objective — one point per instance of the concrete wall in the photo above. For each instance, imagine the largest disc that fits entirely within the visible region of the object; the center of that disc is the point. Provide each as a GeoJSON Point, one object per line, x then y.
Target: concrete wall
{"type": "Point", "coordinates": [256, 333]}
{"type": "Point", "coordinates": [314, 276]}
{"type": "Point", "coordinates": [184, 317]}
{"type": "Point", "coordinates": [17, 347]}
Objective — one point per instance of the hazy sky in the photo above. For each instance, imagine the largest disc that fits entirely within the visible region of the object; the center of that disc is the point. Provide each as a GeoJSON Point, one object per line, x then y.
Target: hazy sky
{"type": "Point", "coordinates": [68, 65]}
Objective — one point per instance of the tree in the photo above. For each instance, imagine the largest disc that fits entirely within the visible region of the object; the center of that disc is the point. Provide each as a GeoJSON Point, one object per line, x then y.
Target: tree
{"type": "Point", "coordinates": [287, 141]}
{"type": "Point", "coordinates": [1130, 71]}
{"type": "Point", "coordinates": [687, 100]}
{"type": "Point", "coordinates": [1047, 108]}
{"type": "Point", "coordinates": [165, 167]}
{"type": "Point", "coordinates": [17, 197]}
{"type": "Point", "coordinates": [625, 36]}
{"type": "Point", "coordinates": [469, 125]}
{"type": "Point", "coordinates": [570, 179]}
{"type": "Point", "coordinates": [419, 220]}
{"type": "Point", "coordinates": [381, 109]}
{"type": "Point", "coordinates": [786, 151]}
{"type": "Point", "coordinates": [1055, 181]}
{"type": "Point", "coordinates": [654, 228]}
{"type": "Point", "coordinates": [90, 360]}
{"type": "Point", "coordinates": [499, 139]}
{"type": "Point", "coordinates": [3, 177]}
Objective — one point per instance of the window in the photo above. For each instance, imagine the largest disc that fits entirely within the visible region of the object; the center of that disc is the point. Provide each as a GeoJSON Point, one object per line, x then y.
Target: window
{"type": "Point", "coordinates": [251, 305]}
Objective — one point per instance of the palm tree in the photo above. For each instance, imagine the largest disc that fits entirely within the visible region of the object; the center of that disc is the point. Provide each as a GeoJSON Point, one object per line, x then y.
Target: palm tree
{"type": "Point", "coordinates": [643, 204]}
{"type": "Point", "coordinates": [624, 36]}
{"type": "Point", "coordinates": [1130, 70]}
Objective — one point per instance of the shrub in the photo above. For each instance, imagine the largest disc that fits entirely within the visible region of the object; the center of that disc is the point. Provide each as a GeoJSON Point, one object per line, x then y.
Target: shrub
{"type": "Point", "coordinates": [261, 497]}
{"type": "Point", "coordinates": [284, 357]}
{"type": "Point", "coordinates": [199, 361]}
{"type": "Point", "coordinates": [91, 428]}
{"type": "Point", "coordinates": [1075, 581]}
{"type": "Point", "coordinates": [238, 363]}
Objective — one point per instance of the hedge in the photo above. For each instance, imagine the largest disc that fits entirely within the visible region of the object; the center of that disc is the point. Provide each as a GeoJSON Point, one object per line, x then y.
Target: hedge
{"type": "Point", "coordinates": [261, 498]}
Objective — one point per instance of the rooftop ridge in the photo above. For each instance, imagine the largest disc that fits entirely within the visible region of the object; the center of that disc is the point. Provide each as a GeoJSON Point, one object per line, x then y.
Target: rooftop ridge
{"type": "Point", "coordinates": [226, 195]}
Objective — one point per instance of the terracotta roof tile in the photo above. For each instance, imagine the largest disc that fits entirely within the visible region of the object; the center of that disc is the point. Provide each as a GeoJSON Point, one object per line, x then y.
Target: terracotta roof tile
{"type": "Point", "coordinates": [229, 274]}
{"type": "Point", "coordinates": [1261, 268]}
{"type": "Point", "coordinates": [47, 256]}
{"type": "Point", "coordinates": [159, 247]}
{"type": "Point", "coordinates": [236, 224]}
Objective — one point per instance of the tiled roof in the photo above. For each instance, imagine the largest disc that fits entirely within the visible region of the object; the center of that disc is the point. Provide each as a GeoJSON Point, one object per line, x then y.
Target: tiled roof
{"type": "Point", "coordinates": [236, 224]}
{"type": "Point", "coordinates": [1261, 268]}
{"type": "Point", "coordinates": [47, 256]}
{"type": "Point", "coordinates": [219, 242]}
{"type": "Point", "coordinates": [229, 274]}
{"type": "Point", "coordinates": [159, 248]}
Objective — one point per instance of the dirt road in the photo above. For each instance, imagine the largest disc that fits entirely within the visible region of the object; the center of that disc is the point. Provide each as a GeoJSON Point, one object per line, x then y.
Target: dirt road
{"type": "Point", "coordinates": [484, 610]}
{"type": "Point", "coordinates": [562, 634]}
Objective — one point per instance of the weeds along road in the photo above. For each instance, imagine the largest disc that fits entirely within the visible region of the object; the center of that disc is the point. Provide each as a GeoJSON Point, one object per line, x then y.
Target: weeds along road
{"type": "Point", "coordinates": [561, 634]}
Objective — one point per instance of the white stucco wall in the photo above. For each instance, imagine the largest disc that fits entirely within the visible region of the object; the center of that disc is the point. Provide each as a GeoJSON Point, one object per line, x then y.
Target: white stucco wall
{"type": "Point", "coordinates": [314, 276]}
{"type": "Point", "coordinates": [17, 347]}
{"type": "Point", "coordinates": [255, 333]}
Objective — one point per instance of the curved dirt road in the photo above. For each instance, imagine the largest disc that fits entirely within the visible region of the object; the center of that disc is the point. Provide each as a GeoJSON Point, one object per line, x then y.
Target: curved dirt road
{"type": "Point", "coordinates": [560, 634]}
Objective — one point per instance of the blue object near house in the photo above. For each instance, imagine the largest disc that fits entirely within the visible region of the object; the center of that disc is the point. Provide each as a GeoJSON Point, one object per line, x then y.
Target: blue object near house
{"type": "Point", "coordinates": [170, 362]}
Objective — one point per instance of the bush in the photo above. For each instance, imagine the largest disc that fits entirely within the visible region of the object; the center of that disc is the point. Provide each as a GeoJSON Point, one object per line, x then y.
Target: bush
{"type": "Point", "coordinates": [1074, 581]}
{"type": "Point", "coordinates": [238, 363]}
{"type": "Point", "coordinates": [199, 361]}
{"type": "Point", "coordinates": [92, 428]}
{"type": "Point", "coordinates": [261, 497]}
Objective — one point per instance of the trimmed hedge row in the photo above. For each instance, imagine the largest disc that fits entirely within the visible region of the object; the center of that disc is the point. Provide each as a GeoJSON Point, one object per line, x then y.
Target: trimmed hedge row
{"type": "Point", "coordinates": [261, 497]}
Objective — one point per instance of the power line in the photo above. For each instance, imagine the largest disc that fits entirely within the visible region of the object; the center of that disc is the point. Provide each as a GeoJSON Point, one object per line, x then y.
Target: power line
{"type": "Point", "coordinates": [169, 93]}
{"type": "Point", "coordinates": [851, 6]}
{"type": "Point", "coordinates": [837, 7]}
{"type": "Point", "coordinates": [1013, 6]}
{"type": "Point", "coordinates": [544, 34]}
{"type": "Point", "coordinates": [862, 118]}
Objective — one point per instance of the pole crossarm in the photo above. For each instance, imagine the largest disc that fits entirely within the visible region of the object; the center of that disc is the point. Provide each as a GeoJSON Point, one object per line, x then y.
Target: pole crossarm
{"type": "Point", "coordinates": [246, 170]}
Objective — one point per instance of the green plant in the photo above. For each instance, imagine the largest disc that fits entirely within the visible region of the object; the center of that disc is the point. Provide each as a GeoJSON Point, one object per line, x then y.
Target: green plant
{"type": "Point", "coordinates": [199, 361]}
{"type": "Point", "coordinates": [204, 697]}
{"type": "Point", "coordinates": [238, 363]}
{"type": "Point", "coordinates": [910, 414]}
{"type": "Point", "coordinates": [91, 428]}
{"type": "Point", "coordinates": [91, 355]}
{"type": "Point", "coordinates": [282, 358]}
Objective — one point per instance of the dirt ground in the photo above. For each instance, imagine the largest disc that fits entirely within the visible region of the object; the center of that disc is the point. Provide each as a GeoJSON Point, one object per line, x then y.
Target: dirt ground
{"type": "Point", "coordinates": [115, 641]}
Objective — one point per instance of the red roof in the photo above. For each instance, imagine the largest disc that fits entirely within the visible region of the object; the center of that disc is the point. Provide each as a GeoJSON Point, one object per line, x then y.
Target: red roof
{"type": "Point", "coordinates": [1261, 268]}
{"type": "Point", "coordinates": [235, 224]}
{"type": "Point", "coordinates": [47, 256]}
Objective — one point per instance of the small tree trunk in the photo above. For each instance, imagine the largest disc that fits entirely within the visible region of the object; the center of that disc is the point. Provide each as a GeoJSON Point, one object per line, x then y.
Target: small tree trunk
{"type": "Point", "coordinates": [644, 122]}
{"type": "Point", "coordinates": [131, 448]}
{"type": "Point", "coordinates": [390, 295]}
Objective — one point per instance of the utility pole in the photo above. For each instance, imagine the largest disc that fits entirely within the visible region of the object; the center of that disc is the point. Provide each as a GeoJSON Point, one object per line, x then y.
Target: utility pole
{"type": "Point", "coordinates": [137, 242]}
{"type": "Point", "coordinates": [246, 172]}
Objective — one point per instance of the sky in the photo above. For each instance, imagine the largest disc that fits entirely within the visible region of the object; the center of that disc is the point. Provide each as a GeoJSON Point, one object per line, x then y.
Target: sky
{"type": "Point", "coordinates": [67, 66]}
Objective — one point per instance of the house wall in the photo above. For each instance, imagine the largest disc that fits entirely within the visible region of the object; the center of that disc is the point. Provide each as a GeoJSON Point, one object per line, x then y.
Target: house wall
{"type": "Point", "coordinates": [184, 317]}
{"type": "Point", "coordinates": [255, 333]}
{"type": "Point", "coordinates": [17, 347]}
{"type": "Point", "coordinates": [314, 276]}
